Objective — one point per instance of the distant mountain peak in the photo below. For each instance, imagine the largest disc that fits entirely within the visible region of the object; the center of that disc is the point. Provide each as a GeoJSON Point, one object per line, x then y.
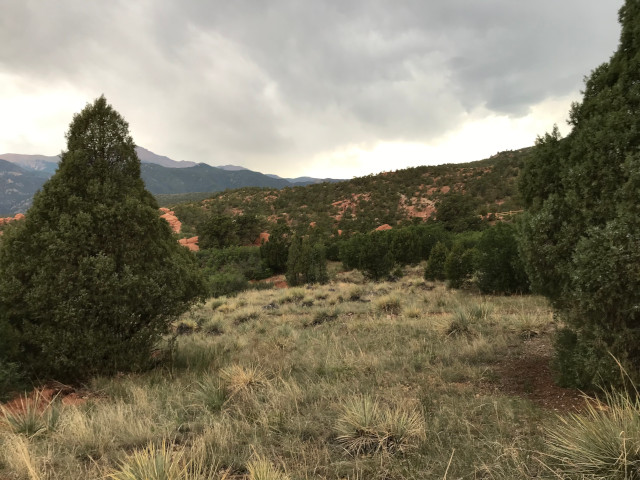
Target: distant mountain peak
{"type": "Point", "coordinates": [147, 156]}
{"type": "Point", "coordinates": [231, 168]}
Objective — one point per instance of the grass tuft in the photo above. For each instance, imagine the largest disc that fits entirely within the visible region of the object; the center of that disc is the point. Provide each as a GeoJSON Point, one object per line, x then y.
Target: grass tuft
{"type": "Point", "coordinates": [602, 442]}
{"type": "Point", "coordinates": [260, 468]}
{"type": "Point", "coordinates": [31, 416]}
{"type": "Point", "coordinates": [366, 427]}
{"type": "Point", "coordinates": [389, 305]}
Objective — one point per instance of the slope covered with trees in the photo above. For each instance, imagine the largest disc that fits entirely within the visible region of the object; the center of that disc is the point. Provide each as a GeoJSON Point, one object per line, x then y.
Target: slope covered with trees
{"type": "Point", "coordinates": [406, 196]}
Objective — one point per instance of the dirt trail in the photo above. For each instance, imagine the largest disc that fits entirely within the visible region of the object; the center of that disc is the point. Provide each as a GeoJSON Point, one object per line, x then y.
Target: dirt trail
{"type": "Point", "coordinates": [526, 372]}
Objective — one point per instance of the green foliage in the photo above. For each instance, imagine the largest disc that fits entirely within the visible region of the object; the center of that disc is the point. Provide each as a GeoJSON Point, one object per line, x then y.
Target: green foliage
{"type": "Point", "coordinates": [435, 269]}
{"type": "Point", "coordinates": [92, 277]}
{"type": "Point", "coordinates": [228, 270]}
{"type": "Point", "coordinates": [500, 268]}
{"type": "Point", "coordinates": [218, 231]}
{"type": "Point", "coordinates": [370, 253]}
{"type": "Point", "coordinates": [274, 253]}
{"type": "Point", "coordinates": [306, 262]}
{"type": "Point", "coordinates": [579, 237]}
{"type": "Point", "coordinates": [458, 212]}
{"type": "Point", "coordinates": [410, 245]}
{"type": "Point", "coordinates": [460, 264]}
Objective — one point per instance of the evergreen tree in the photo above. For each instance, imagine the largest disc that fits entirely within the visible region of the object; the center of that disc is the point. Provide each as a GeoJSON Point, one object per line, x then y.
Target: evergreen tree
{"type": "Point", "coordinates": [92, 277]}
{"type": "Point", "coordinates": [306, 262]}
{"type": "Point", "coordinates": [274, 253]}
{"type": "Point", "coordinates": [218, 231]}
{"type": "Point", "coordinates": [436, 262]}
{"type": "Point", "coordinates": [460, 264]}
{"type": "Point", "coordinates": [500, 268]}
{"type": "Point", "coordinates": [580, 238]}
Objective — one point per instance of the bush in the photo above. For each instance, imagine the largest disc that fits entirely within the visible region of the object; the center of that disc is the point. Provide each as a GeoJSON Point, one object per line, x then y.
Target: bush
{"type": "Point", "coordinates": [460, 265]}
{"type": "Point", "coordinates": [306, 263]}
{"type": "Point", "coordinates": [92, 277]}
{"type": "Point", "coordinates": [226, 282]}
{"type": "Point", "coordinates": [500, 269]}
{"type": "Point", "coordinates": [436, 262]}
{"type": "Point", "coordinates": [580, 234]}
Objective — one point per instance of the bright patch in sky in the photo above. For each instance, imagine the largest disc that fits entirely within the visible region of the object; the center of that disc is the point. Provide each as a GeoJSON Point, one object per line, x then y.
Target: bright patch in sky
{"type": "Point", "coordinates": [33, 118]}
{"type": "Point", "coordinates": [479, 137]}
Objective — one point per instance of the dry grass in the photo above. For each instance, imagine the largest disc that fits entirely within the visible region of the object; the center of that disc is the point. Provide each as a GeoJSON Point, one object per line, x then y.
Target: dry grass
{"type": "Point", "coordinates": [345, 380]}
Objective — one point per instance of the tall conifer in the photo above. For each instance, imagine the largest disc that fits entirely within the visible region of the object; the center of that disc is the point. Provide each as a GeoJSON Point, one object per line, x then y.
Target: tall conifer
{"type": "Point", "coordinates": [92, 277]}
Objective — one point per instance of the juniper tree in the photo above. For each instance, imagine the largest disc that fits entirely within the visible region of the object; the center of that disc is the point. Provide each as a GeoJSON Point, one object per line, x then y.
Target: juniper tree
{"type": "Point", "coordinates": [580, 238]}
{"type": "Point", "coordinates": [92, 277]}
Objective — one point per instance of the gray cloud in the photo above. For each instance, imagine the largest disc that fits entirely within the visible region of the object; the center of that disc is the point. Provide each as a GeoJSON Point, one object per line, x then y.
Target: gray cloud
{"type": "Point", "coordinates": [246, 81]}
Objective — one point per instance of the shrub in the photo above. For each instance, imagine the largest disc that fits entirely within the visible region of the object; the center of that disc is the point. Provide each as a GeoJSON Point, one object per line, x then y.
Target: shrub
{"type": "Point", "coordinates": [460, 264]}
{"type": "Point", "coordinates": [306, 262]}
{"type": "Point", "coordinates": [92, 277]}
{"type": "Point", "coordinates": [226, 283]}
{"type": "Point", "coordinates": [500, 269]}
{"type": "Point", "coordinates": [580, 234]}
{"type": "Point", "coordinates": [436, 262]}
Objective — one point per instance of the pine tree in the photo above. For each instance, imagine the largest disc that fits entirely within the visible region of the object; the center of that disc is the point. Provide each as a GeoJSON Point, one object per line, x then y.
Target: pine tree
{"type": "Point", "coordinates": [580, 238]}
{"type": "Point", "coordinates": [92, 277]}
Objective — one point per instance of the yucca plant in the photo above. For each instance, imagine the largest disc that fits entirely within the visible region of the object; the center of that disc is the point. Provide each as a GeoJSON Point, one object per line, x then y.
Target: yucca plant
{"type": "Point", "coordinates": [357, 427]}
{"type": "Point", "coordinates": [601, 442]}
{"type": "Point", "coordinates": [31, 415]}
{"type": "Point", "coordinates": [211, 394]}
{"type": "Point", "coordinates": [401, 429]}
{"type": "Point", "coordinates": [154, 463]}
{"type": "Point", "coordinates": [367, 427]}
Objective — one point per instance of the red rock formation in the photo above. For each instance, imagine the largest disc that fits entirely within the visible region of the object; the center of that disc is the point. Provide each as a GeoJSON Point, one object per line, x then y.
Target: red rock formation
{"type": "Point", "coordinates": [8, 220]}
{"type": "Point", "coordinates": [190, 243]}
{"type": "Point", "coordinates": [171, 219]}
{"type": "Point", "coordinates": [262, 238]}
{"type": "Point", "coordinates": [386, 226]}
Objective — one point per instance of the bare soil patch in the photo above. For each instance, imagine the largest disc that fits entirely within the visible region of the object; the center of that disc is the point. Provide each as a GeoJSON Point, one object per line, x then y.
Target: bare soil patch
{"type": "Point", "coordinates": [526, 372]}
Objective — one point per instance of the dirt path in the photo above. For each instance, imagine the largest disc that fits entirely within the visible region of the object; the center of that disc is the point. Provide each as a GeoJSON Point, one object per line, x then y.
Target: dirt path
{"type": "Point", "coordinates": [526, 372]}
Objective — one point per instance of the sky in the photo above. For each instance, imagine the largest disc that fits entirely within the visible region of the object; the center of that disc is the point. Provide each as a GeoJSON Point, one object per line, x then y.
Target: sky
{"type": "Point", "coordinates": [326, 88]}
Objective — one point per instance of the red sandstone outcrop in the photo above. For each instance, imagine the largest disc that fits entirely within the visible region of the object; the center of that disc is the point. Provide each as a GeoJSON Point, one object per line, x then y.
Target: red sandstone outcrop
{"type": "Point", "coordinates": [262, 238]}
{"type": "Point", "coordinates": [190, 243]}
{"type": "Point", "coordinates": [386, 226]}
{"type": "Point", "coordinates": [171, 219]}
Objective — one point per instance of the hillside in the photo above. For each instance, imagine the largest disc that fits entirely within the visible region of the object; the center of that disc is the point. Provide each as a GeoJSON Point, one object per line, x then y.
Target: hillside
{"type": "Point", "coordinates": [17, 186]}
{"type": "Point", "coordinates": [202, 178]}
{"type": "Point", "coordinates": [361, 204]}
{"type": "Point", "coordinates": [162, 175]}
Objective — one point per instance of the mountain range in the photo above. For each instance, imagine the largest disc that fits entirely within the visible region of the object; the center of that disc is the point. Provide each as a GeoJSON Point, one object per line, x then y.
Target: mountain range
{"type": "Point", "coordinates": [22, 175]}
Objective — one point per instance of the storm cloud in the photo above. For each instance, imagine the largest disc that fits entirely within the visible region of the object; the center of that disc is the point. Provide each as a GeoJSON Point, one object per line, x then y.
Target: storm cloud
{"type": "Point", "coordinates": [269, 85]}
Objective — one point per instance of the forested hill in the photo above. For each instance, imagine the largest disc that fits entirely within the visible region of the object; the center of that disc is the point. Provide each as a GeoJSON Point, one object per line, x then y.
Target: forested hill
{"type": "Point", "coordinates": [362, 204]}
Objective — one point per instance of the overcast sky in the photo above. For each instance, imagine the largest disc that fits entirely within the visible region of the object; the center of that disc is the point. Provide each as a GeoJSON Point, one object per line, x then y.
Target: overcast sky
{"type": "Point", "coordinates": [328, 88]}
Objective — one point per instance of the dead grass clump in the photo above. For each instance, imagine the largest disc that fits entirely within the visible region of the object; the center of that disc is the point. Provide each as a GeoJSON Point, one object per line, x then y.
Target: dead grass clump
{"type": "Point", "coordinates": [367, 427]}
{"type": "Point", "coordinates": [389, 305]}
{"type": "Point", "coordinates": [259, 468]}
{"type": "Point", "coordinates": [239, 379]}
